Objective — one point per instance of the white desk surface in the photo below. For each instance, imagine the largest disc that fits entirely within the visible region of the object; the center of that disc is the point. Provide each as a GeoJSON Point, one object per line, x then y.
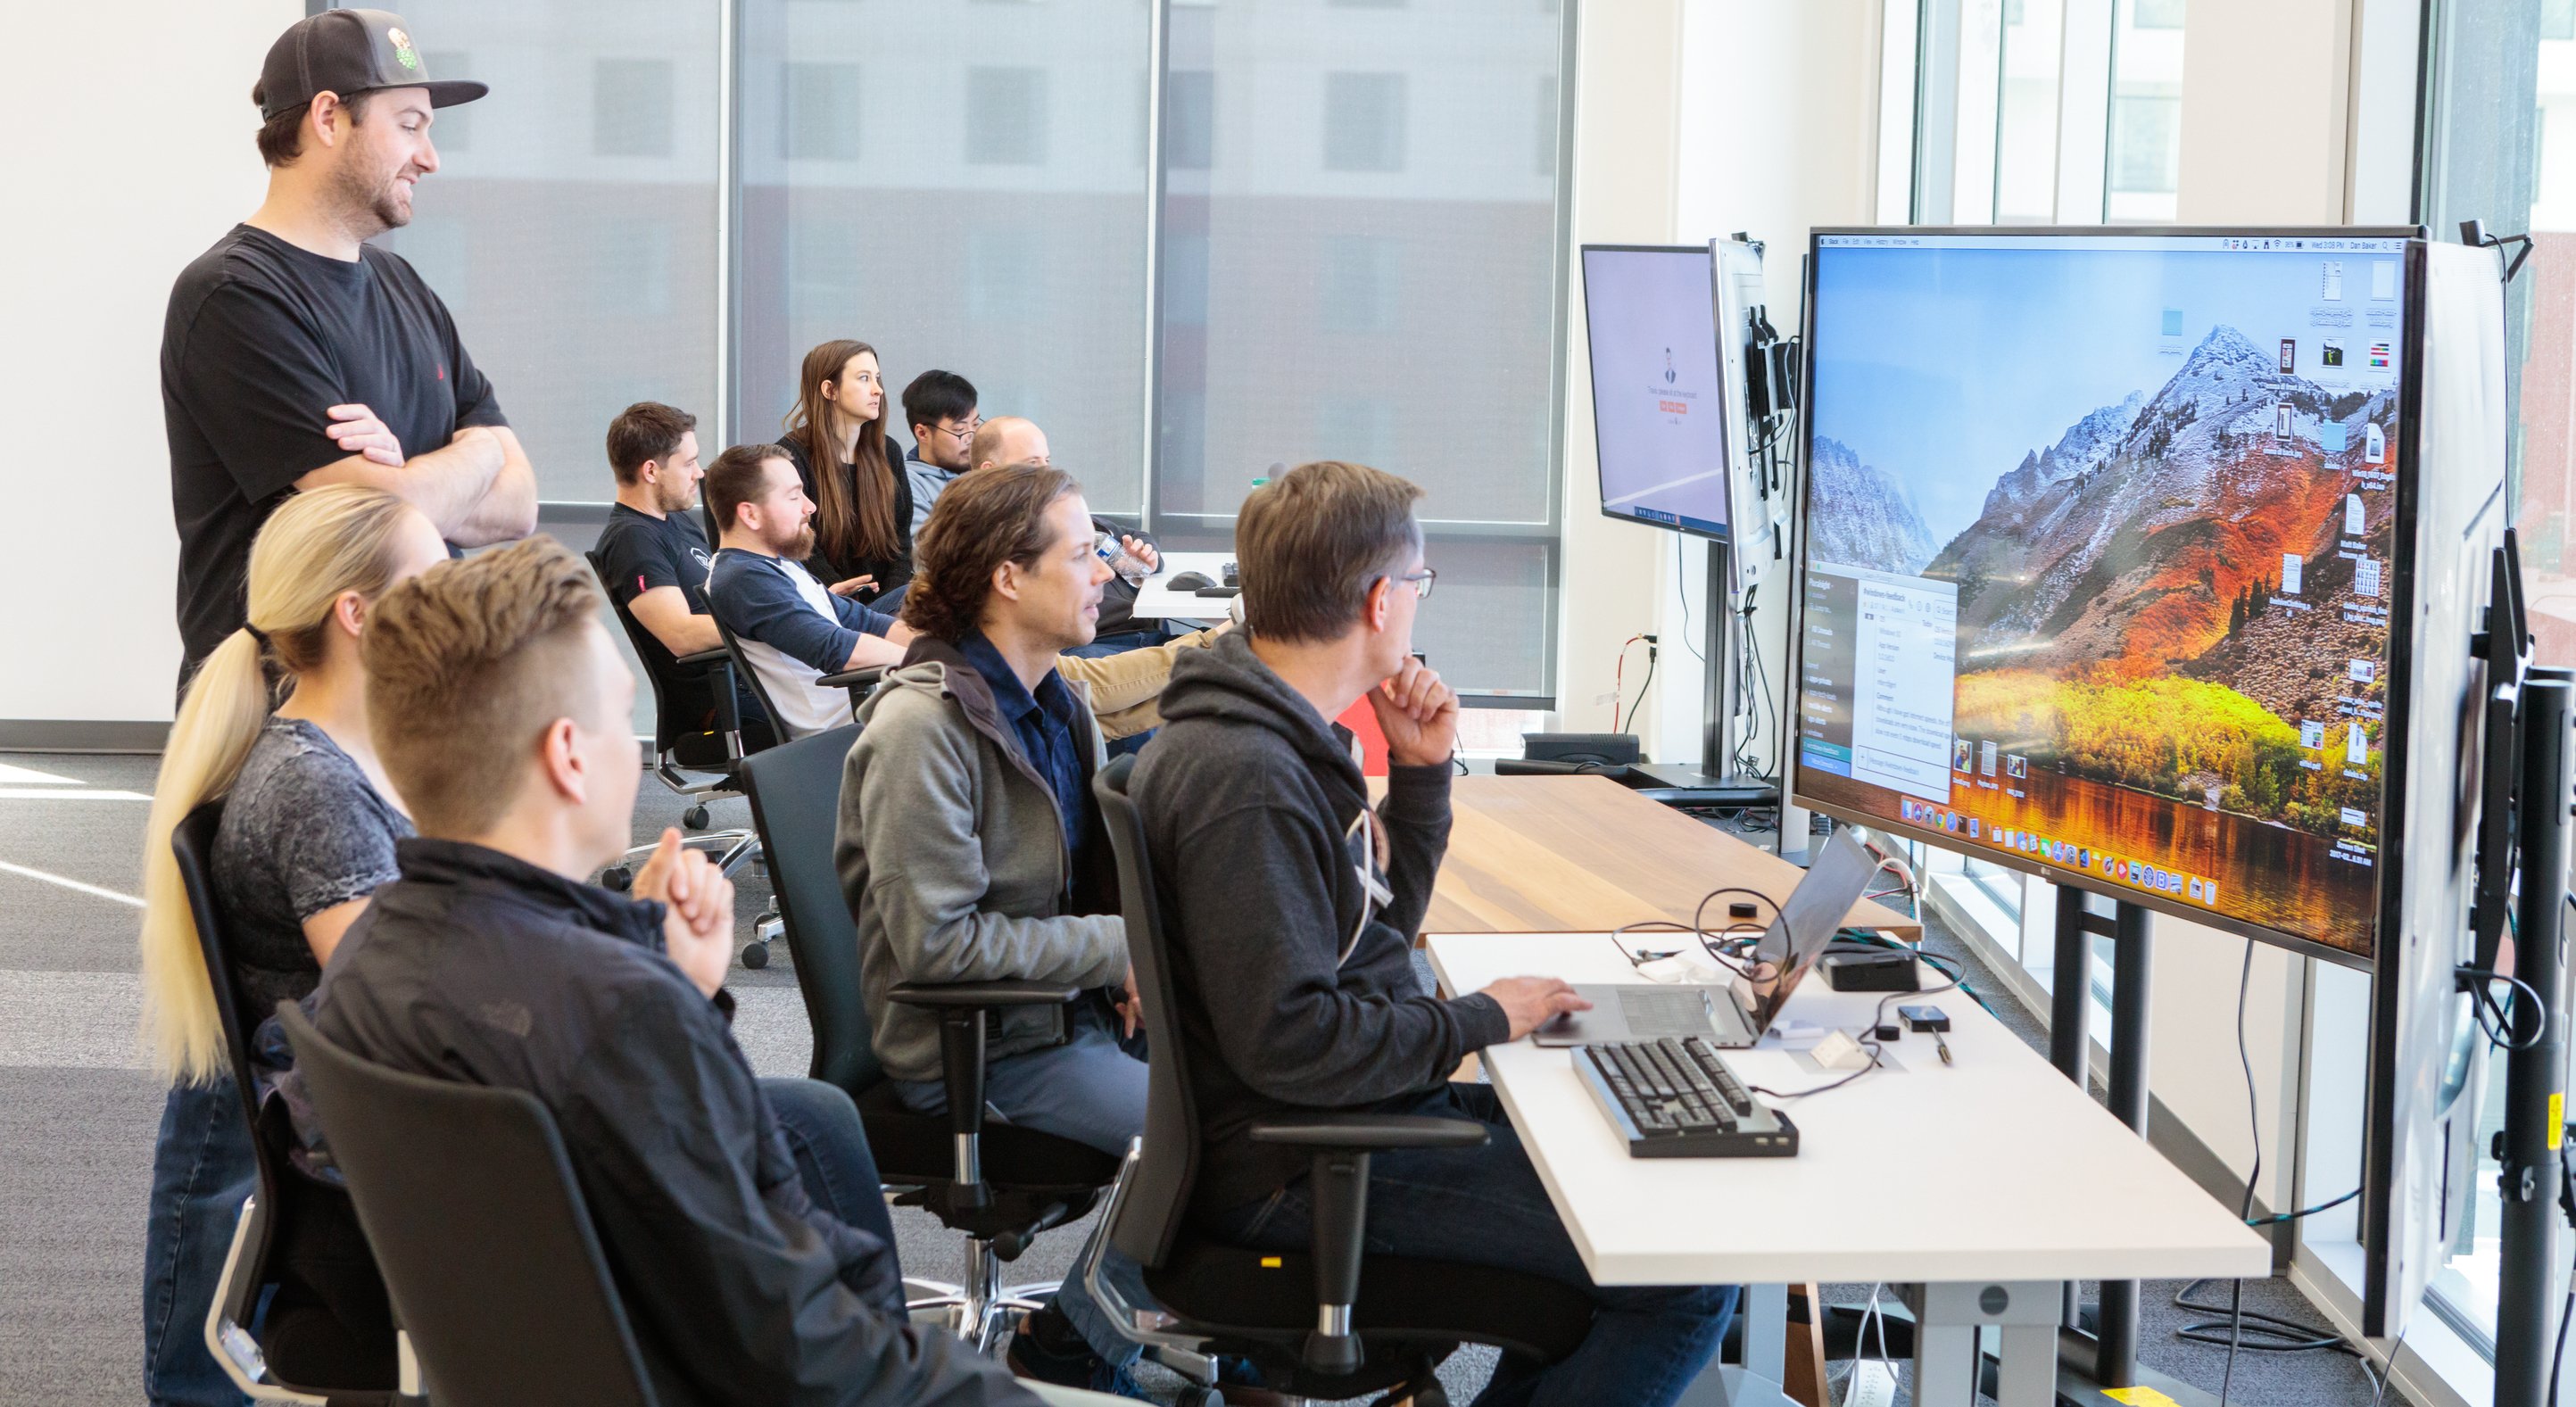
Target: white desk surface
{"type": "Point", "coordinates": [1155, 599]}
{"type": "Point", "coordinates": [1996, 1168]}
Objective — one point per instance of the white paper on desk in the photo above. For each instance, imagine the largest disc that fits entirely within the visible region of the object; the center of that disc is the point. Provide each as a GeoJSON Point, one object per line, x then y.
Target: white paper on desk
{"type": "Point", "coordinates": [1680, 970]}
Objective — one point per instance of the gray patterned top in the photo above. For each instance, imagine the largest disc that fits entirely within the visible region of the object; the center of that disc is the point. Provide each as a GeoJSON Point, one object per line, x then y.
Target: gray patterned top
{"type": "Point", "coordinates": [303, 831]}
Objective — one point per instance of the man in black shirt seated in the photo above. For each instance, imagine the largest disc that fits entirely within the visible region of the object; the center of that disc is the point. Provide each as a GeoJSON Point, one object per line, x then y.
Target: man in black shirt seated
{"type": "Point", "coordinates": [1293, 903]}
{"type": "Point", "coordinates": [500, 709]}
{"type": "Point", "coordinates": [653, 557]}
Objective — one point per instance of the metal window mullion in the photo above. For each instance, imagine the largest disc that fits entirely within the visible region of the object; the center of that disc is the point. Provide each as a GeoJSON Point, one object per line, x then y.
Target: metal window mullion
{"type": "Point", "coordinates": [728, 261]}
{"type": "Point", "coordinates": [1157, 57]}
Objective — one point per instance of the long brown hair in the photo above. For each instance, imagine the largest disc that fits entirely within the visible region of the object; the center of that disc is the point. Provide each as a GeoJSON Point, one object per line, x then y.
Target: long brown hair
{"type": "Point", "coordinates": [854, 517]}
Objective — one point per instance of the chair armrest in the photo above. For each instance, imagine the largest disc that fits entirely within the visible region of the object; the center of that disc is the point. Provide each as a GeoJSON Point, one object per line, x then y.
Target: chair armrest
{"type": "Point", "coordinates": [712, 655]}
{"type": "Point", "coordinates": [1369, 1132]}
{"type": "Point", "coordinates": [982, 995]}
{"type": "Point", "coordinates": [864, 677]}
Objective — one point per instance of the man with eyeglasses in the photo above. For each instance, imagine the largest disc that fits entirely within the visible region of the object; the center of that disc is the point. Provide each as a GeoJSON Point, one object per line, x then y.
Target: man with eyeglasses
{"type": "Point", "coordinates": [940, 408]}
{"type": "Point", "coordinates": [1292, 903]}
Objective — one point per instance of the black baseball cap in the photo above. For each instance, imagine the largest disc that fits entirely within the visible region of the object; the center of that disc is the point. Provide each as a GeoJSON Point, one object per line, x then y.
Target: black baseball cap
{"type": "Point", "coordinates": [349, 52]}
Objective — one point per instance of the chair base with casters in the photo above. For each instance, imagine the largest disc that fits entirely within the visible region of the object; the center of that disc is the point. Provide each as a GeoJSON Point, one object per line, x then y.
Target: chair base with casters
{"type": "Point", "coordinates": [731, 850]}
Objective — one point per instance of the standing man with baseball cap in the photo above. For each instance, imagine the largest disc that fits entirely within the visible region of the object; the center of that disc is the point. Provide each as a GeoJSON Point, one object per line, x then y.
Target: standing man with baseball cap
{"type": "Point", "coordinates": [294, 355]}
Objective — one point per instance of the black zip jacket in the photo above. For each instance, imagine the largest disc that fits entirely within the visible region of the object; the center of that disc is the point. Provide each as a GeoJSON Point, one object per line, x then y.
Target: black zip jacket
{"type": "Point", "coordinates": [479, 967]}
{"type": "Point", "coordinates": [1248, 798]}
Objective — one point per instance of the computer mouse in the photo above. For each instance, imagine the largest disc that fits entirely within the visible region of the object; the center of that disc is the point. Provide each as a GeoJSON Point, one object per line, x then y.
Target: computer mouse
{"type": "Point", "coordinates": [1190, 581]}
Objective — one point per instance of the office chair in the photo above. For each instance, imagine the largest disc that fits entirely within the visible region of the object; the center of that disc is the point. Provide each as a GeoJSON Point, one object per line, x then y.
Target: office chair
{"type": "Point", "coordinates": [1319, 1325]}
{"type": "Point", "coordinates": [860, 682]}
{"type": "Point", "coordinates": [486, 1244]}
{"type": "Point", "coordinates": [1000, 1185]}
{"type": "Point", "coordinates": [733, 847]}
{"type": "Point", "coordinates": [303, 1344]}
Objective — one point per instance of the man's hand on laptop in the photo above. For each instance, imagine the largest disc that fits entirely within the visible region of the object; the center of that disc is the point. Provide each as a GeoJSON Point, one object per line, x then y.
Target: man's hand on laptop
{"type": "Point", "coordinates": [1531, 1002]}
{"type": "Point", "coordinates": [697, 920]}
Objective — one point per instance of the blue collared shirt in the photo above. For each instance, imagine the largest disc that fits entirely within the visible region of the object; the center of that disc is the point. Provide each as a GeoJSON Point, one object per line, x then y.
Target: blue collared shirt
{"type": "Point", "coordinates": [1049, 726]}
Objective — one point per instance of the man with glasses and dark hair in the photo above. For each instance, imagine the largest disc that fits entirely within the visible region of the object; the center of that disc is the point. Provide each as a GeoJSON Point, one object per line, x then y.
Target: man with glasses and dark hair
{"type": "Point", "coordinates": [1293, 903]}
{"type": "Point", "coordinates": [940, 408]}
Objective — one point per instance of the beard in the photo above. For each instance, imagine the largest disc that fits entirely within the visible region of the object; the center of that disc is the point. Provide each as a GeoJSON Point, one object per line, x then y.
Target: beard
{"type": "Point", "coordinates": [376, 193]}
{"type": "Point", "coordinates": [674, 500]}
{"type": "Point", "coordinates": [799, 547]}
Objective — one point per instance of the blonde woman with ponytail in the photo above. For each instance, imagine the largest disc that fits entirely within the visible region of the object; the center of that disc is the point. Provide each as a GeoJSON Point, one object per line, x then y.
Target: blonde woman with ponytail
{"type": "Point", "coordinates": [275, 722]}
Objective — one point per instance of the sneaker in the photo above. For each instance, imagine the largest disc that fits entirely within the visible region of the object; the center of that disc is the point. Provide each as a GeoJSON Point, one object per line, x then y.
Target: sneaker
{"type": "Point", "coordinates": [1047, 1349]}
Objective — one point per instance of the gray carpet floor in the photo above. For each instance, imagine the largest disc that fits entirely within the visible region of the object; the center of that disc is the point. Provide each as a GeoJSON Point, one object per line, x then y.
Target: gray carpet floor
{"type": "Point", "coordinates": [78, 1112]}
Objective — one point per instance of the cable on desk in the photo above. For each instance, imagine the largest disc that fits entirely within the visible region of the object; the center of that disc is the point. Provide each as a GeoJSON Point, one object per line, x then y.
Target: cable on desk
{"type": "Point", "coordinates": [2253, 1179]}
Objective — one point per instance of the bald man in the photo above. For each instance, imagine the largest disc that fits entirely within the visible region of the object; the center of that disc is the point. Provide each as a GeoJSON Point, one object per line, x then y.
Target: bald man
{"type": "Point", "coordinates": [1008, 439]}
{"type": "Point", "coordinates": [1012, 439]}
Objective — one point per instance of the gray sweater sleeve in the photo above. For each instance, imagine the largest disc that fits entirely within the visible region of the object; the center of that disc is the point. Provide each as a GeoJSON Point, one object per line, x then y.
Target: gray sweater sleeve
{"type": "Point", "coordinates": [925, 865]}
{"type": "Point", "coordinates": [1260, 933]}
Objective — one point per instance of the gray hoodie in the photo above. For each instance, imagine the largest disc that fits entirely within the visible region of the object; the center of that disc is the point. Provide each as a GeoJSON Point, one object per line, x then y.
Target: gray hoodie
{"type": "Point", "coordinates": [952, 857]}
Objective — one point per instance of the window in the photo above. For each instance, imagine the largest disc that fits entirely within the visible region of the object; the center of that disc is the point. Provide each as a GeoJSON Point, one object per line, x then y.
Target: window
{"type": "Point", "coordinates": [984, 228]}
{"type": "Point", "coordinates": [630, 107]}
{"type": "Point", "coordinates": [822, 118]}
{"type": "Point", "coordinates": [571, 228]}
{"type": "Point", "coordinates": [2146, 131]}
{"type": "Point", "coordinates": [2034, 111]}
{"type": "Point", "coordinates": [2143, 165]}
{"type": "Point", "coordinates": [1364, 122]}
{"type": "Point", "coordinates": [453, 128]}
{"type": "Point", "coordinates": [1407, 323]}
{"type": "Point", "coordinates": [1006, 117]}
{"type": "Point", "coordinates": [1189, 120]}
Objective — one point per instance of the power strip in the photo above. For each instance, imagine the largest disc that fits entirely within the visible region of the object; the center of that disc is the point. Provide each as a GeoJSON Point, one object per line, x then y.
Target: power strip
{"type": "Point", "coordinates": [1872, 1384]}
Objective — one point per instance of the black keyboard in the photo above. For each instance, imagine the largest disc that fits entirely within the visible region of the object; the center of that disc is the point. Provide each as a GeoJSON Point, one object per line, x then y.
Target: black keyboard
{"type": "Point", "coordinates": [1675, 1098]}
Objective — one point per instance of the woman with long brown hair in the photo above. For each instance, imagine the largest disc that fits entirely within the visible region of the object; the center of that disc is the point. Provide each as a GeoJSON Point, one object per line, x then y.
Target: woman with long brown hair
{"type": "Point", "coordinates": [836, 437]}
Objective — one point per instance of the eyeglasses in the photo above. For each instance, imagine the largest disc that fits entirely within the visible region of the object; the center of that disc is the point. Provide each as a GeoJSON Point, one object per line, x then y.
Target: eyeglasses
{"type": "Point", "coordinates": [1421, 581]}
{"type": "Point", "coordinates": [965, 434]}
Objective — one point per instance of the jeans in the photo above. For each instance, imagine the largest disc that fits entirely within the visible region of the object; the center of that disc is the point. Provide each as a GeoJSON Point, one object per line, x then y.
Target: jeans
{"type": "Point", "coordinates": [1090, 1090]}
{"type": "Point", "coordinates": [832, 1158]}
{"type": "Point", "coordinates": [202, 1170]}
{"type": "Point", "coordinates": [1486, 1206]}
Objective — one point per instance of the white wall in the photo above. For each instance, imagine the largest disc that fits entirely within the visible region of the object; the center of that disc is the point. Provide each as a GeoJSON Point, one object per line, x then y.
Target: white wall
{"type": "Point", "coordinates": [115, 187]}
{"type": "Point", "coordinates": [1695, 118]}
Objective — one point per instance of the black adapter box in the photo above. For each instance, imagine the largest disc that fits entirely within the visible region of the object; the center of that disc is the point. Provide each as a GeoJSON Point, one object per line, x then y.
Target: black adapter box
{"type": "Point", "coordinates": [1871, 972]}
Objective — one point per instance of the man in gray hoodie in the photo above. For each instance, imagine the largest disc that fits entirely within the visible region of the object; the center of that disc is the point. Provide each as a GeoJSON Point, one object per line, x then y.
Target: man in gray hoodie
{"type": "Point", "coordinates": [1293, 904]}
{"type": "Point", "coordinates": [971, 850]}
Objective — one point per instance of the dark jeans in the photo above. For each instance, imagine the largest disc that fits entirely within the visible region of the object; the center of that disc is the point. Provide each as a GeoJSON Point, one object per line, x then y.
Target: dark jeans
{"type": "Point", "coordinates": [202, 1170]}
{"type": "Point", "coordinates": [1486, 1206]}
{"type": "Point", "coordinates": [832, 1158]}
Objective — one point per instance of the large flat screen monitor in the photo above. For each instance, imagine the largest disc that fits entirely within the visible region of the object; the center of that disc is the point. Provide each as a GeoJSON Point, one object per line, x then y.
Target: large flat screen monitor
{"type": "Point", "coordinates": [2104, 535]}
{"type": "Point", "coordinates": [1660, 406]}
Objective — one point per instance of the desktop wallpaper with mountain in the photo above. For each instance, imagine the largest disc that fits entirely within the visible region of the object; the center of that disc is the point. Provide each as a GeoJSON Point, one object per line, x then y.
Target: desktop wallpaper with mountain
{"type": "Point", "coordinates": [2114, 503]}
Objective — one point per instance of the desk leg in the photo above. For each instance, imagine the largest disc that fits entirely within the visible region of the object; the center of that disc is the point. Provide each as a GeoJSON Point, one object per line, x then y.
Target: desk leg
{"type": "Point", "coordinates": [1766, 1330]}
{"type": "Point", "coordinates": [1948, 1319]}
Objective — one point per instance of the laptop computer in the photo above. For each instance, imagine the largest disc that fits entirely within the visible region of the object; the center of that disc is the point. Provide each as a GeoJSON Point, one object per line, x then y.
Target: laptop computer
{"type": "Point", "coordinates": [1732, 1015]}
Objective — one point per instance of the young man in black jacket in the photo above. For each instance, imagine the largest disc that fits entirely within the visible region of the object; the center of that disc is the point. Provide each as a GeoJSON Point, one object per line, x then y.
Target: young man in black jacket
{"type": "Point", "coordinates": [1293, 906]}
{"type": "Point", "coordinates": [500, 709]}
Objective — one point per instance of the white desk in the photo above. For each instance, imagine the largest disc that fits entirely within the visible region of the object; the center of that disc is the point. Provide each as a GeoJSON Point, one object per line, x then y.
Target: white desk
{"type": "Point", "coordinates": [1980, 1186]}
{"type": "Point", "coordinates": [1155, 599]}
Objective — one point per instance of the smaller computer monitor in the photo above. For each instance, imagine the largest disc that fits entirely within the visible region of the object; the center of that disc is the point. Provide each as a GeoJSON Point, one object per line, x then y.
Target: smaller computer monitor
{"type": "Point", "coordinates": [1660, 403]}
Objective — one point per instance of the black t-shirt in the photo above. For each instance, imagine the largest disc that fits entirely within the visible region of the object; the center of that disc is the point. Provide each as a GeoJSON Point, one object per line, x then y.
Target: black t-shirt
{"type": "Point", "coordinates": [638, 553]}
{"type": "Point", "coordinates": [261, 340]}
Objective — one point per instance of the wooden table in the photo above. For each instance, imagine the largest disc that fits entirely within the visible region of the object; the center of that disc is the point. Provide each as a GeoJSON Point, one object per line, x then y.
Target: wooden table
{"type": "Point", "coordinates": [1585, 854]}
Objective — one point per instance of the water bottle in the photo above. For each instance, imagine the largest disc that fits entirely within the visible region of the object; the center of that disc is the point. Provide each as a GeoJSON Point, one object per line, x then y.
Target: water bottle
{"type": "Point", "coordinates": [1120, 560]}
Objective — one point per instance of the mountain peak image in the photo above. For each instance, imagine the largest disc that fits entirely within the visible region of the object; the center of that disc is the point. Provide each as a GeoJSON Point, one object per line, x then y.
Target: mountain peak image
{"type": "Point", "coordinates": [1862, 515]}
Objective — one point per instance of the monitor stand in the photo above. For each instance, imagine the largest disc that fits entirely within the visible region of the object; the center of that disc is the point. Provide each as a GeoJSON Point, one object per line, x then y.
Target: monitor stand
{"type": "Point", "coordinates": [1714, 782]}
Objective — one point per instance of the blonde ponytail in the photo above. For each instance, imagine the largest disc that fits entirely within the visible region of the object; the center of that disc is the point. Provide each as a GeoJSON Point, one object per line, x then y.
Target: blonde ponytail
{"type": "Point", "coordinates": [315, 547]}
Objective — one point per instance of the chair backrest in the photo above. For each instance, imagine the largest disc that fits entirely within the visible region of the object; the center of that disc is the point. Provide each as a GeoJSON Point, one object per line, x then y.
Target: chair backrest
{"type": "Point", "coordinates": [1158, 1196]}
{"type": "Point", "coordinates": [795, 793]}
{"type": "Point", "coordinates": [666, 729]}
{"type": "Point", "coordinates": [742, 666]}
{"type": "Point", "coordinates": [192, 844]}
{"type": "Point", "coordinates": [480, 1230]}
